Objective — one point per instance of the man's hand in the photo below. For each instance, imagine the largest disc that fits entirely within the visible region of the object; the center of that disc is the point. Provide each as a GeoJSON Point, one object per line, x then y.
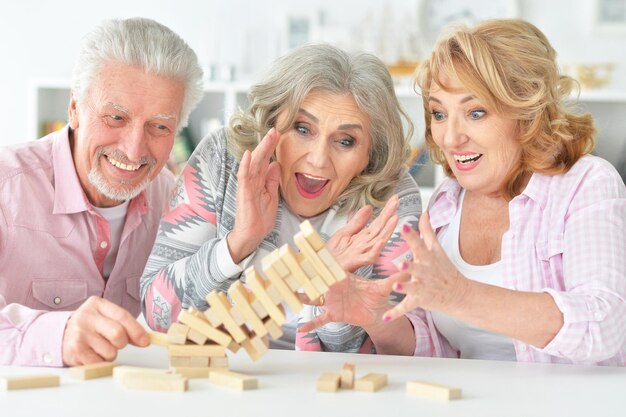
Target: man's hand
{"type": "Point", "coordinates": [97, 330]}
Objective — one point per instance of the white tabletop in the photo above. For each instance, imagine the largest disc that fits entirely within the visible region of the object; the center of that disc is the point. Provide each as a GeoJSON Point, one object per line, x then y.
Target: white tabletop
{"type": "Point", "coordinates": [287, 388]}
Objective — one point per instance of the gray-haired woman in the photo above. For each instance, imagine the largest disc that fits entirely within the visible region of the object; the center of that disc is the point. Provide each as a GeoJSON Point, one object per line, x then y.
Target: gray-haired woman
{"type": "Point", "coordinates": [323, 140]}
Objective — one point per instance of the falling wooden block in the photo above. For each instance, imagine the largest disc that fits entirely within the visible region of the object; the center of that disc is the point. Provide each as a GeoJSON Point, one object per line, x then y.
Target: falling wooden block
{"type": "Point", "coordinates": [218, 301]}
{"type": "Point", "coordinates": [257, 306]}
{"type": "Point", "coordinates": [273, 328]}
{"type": "Point", "coordinates": [94, 370]}
{"type": "Point", "coordinates": [197, 350]}
{"type": "Point", "coordinates": [290, 298]}
{"type": "Point", "coordinates": [328, 382]}
{"type": "Point", "coordinates": [258, 287]}
{"type": "Point", "coordinates": [196, 337]}
{"type": "Point", "coordinates": [120, 371]}
{"type": "Point", "coordinates": [177, 333]}
{"type": "Point", "coordinates": [430, 390]}
{"type": "Point", "coordinates": [214, 319]}
{"type": "Point", "coordinates": [233, 380]}
{"type": "Point", "coordinates": [155, 382]}
{"type": "Point", "coordinates": [332, 264]}
{"type": "Point", "coordinates": [310, 234]}
{"type": "Point", "coordinates": [255, 347]}
{"type": "Point", "coordinates": [347, 376]}
{"type": "Point", "coordinates": [316, 281]}
{"type": "Point", "coordinates": [311, 255]}
{"type": "Point", "coordinates": [239, 318]}
{"type": "Point", "coordinates": [204, 328]}
{"type": "Point", "coordinates": [158, 338]}
{"type": "Point", "coordinates": [9, 383]}
{"type": "Point", "coordinates": [319, 284]}
{"type": "Point", "coordinates": [371, 382]}
{"type": "Point", "coordinates": [297, 273]}
{"type": "Point", "coordinates": [240, 297]}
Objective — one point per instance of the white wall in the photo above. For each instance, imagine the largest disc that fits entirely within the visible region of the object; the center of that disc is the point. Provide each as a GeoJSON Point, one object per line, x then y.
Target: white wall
{"type": "Point", "coordinates": [39, 39]}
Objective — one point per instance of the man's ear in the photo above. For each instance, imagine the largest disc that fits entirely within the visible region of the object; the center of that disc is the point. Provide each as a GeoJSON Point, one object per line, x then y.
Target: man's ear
{"type": "Point", "coordinates": [72, 112]}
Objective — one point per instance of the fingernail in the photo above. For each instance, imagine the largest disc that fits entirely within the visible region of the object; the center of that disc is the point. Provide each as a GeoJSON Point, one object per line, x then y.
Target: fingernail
{"type": "Point", "coordinates": [398, 286]}
{"type": "Point", "coordinates": [386, 317]}
{"type": "Point", "coordinates": [404, 266]}
{"type": "Point", "coordinates": [406, 228]}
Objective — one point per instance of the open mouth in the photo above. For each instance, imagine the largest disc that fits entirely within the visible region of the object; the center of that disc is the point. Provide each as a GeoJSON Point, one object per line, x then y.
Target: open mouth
{"type": "Point", "coordinates": [467, 159]}
{"type": "Point", "coordinates": [122, 166]}
{"type": "Point", "coordinates": [309, 185]}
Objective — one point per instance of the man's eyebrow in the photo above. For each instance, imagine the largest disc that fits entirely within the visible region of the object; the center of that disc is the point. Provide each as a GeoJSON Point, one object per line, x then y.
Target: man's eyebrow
{"type": "Point", "coordinates": [118, 107]}
{"type": "Point", "coordinates": [164, 117]}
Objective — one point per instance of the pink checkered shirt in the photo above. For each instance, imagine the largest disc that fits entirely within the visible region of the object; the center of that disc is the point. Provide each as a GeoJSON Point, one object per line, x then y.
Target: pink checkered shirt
{"type": "Point", "coordinates": [567, 238]}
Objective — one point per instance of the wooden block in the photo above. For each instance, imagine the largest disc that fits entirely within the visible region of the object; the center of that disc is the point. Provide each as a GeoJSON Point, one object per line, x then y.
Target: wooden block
{"type": "Point", "coordinates": [217, 362]}
{"type": "Point", "coordinates": [212, 317]}
{"type": "Point", "coordinates": [184, 361]}
{"type": "Point", "coordinates": [9, 383]}
{"type": "Point", "coordinates": [255, 347]}
{"type": "Point", "coordinates": [155, 382]}
{"type": "Point", "coordinates": [239, 318]}
{"type": "Point", "coordinates": [371, 382]}
{"type": "Point", "coordinates": [312, 236]}
{"type": "Point", "coordinates": [311, 255]}
{"type": "Point", "coordinates": [204, 328]}
{"type": "Point", "coordinates": [276, 263]}
{"type": "Point", "coordinates": [120, 371]}
{"type": "Point", "coordinates": [430, 390]}
{"type": "Point", "coordinates": [177, 333]}
{"type": "Point", "coordinates": [347, 375]}
{"type": "Point", "coordinates": [332, 264]}
{"type": "Point", "coordinates": [328, 382]}
{"type": "Point", "coordinates": [258, 287]}
{"type": "Point", "coordinates": [192, 372]}
{"type": "Point", "coordinates": [196, 337]}
{"type": "Point", "coordinates": [240, 296]}
{"type": "Point", "coordinates": [218, 301]}
{"type": "Point", "coordinates": [273, 294]}
{"type": "Point", "coordinates": [94, 370]}
{"type": "Point", "coordinates": [291, 261]}
{"type": "Point", "coordinates": [234, 346]}
{"type": "Point", "coordinates": [257, 306]}
{"type": "Point", "coordinates": [292, 283]}
{"type": "Point", "coordinates": [197, 350]}
{"type": "Point", "coordinates": [273, 328]}
{"type": "Point", "coordinates": [319, 284]}
{"type": "Point", "coordinates": [316, 281]}
{"type": "Point", "coordinates": [233, 380]}
{"type": "Point", "coordinates": [158, 338]}
{"type": "Point", "coordinates": [290, 298]}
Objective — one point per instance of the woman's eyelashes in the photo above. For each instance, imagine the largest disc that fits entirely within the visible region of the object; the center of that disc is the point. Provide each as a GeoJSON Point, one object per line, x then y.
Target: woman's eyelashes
{"type": "Point", "coordinates": [474, 114]}
{"type": "Point", "coordinates": [477, 114]}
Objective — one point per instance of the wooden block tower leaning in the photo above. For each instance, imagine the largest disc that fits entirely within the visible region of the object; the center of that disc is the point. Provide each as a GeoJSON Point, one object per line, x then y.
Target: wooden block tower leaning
{"type": "Point", "coordinates": [255, 314]}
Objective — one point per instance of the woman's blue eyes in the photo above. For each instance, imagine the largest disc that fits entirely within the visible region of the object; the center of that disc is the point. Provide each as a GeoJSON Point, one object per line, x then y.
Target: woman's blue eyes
{"type": "Point", "coordinates": [477, 114]}
{"type": "Point", "coordinates": [302, 129]}
{"type": "Point", "coordinates": [473, 114]}
{"type": "Point", "coordinates": [437, 115]}
{"type": "Point", "coordinates": [345, 142]}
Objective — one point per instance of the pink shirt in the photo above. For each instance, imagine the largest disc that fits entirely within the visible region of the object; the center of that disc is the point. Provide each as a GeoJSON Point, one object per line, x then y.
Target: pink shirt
{"type": "Point", "coordinates": [567, 237]}
{"type": "Point", "coordinates": [53, 245]}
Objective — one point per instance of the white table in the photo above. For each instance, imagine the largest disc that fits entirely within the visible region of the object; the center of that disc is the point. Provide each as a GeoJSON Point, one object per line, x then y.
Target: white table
{"type": "Point", "coordinates": [287, 388]}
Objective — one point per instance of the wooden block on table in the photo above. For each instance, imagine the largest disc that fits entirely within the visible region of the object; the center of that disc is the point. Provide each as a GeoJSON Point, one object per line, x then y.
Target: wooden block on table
{"type": "Point", "coordinates": [241, 298]}
{"type": "Point", "coordinates": [155, 382]}
{"type": "Point", "coordinates": [177, 333]}
{"type": "Point", "coordinates": [347, 375]}
{"type": "Point", "coordinates": [204, 328]}
{"type": "Point", "coordinates": [192, 372]}
{"type": "Point", "coordinates": [218, 301]}
{"type": "Point", "coordinates": [120, 371]}
{"type": "Point", "coordinates": [233, 380]}
{"type": "Point", "coordinates": [297, 273]}
{"type": "Point", "coordinates": [196, 337]}
{"type": "Point", "coordinates": [311, 255]}
{"type": "Point", "coordinates": [197, 350]}
{"type": "Point", "coordinates": [273, 328]}
{"type": "Point", "coordinates": [289, 296]}
{"type": "Point", "coordinates": [311, 235]}
{"type": "Point", "coordinates": [430, 390]}
{"type": "Point", "coordinates": [217, 362]}
{"type": "Point", "coordinates": [328, 382]}
{"type": "Point", "coordinates": [94, 370]}
{"type": "Point", "coordinates": [9, 383]}
{"type": "Point", "coordinates": [332, 264]}
{"type": "Point", "coordinates": [186, 361]}
{"type": "Point", "coordinates": [158, 338]}
{"type": "Point", "coordinates": [259, 287]}
{"type": "Point", "coordinates": [371, 382]}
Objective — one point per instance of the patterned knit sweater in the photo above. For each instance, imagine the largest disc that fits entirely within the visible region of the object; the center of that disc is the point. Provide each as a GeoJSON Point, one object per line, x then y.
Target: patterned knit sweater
{"type": "Point", "coordinates": [182, 268]}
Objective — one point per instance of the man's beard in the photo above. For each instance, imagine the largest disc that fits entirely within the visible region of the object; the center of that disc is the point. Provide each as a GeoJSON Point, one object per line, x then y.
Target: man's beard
{"type": "Point", "coordinates": [119, 192]}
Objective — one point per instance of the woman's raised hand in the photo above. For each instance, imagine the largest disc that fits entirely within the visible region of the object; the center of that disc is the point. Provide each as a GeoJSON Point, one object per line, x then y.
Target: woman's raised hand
{"type": "Point", "coordinates": [257, 198]}
{"type": "Point", "coordinates": [355, 245]}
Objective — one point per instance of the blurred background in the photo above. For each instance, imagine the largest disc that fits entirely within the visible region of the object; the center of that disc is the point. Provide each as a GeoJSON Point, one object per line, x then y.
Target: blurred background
{"type": "Point", "coordinates": [236, 40]}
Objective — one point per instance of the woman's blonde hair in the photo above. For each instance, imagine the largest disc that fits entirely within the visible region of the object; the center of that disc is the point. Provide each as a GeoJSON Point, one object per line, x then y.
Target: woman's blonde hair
{"type": "Point", "coordinates": [510, 66]}
{"type": "Point", "coordinates": [329, 69]}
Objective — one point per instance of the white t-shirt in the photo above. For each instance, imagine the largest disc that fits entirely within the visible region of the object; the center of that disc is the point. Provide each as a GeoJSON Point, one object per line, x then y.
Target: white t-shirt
{"type": "Point", "coordinates": [116, 217]}
{"type": "Point", "coordinates": [471, 341]}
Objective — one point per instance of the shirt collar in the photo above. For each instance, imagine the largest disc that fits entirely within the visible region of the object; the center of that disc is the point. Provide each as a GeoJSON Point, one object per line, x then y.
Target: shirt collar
{"type": "Point", "coordinates": [537, 189]}
{"type": "Point", "coordinates": [69, 196]}
{"type": "Point", "coordinates": [444, 203]}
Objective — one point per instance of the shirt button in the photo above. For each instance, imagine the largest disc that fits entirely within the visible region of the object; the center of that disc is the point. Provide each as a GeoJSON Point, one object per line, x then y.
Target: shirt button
{"type": "Point", "coordinates": [57, 300]}
{"type": "Point", "coordinates": [47, 358]}
{"type": "Point", "coordinates": [104, 244]}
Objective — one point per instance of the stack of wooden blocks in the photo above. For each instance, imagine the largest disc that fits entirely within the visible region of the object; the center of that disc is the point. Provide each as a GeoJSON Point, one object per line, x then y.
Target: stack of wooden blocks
{"type": "Point", "coordinates": [329, 382]}
{"type": "Point", "coordinates": [256, 314]}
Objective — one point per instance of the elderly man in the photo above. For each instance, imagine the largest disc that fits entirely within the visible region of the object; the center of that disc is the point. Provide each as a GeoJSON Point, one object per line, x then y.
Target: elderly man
{"type": "Point", "coordinates": [80, 208]}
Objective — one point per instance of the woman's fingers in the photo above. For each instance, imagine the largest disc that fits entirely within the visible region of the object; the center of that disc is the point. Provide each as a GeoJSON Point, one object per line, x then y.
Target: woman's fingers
{"type": "Point", "coordinates": [316, 322]}
{"type": "Point", "coordinates": [264, 151]}
{"type": "Point", "coordinates": [426, 231]}
{"type": "Point", "coordinates": [388, 211]}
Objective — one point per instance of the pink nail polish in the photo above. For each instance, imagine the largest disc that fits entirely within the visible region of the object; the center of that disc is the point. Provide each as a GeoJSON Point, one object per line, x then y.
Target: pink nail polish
{"type": "Point", "coordinates": [404, 266]}
{"type": "Point", "coordinates": [398, 286]}
{"type": "Point", "coordinates": [386, 317]}
{"type": "Point", "coordinates": [406, 228]}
